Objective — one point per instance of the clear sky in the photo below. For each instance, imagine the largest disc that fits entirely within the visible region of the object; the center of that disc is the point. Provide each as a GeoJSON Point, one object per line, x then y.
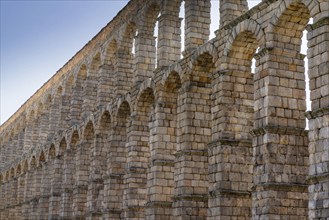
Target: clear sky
{"type": "Point", "coordinates": [39, 37]}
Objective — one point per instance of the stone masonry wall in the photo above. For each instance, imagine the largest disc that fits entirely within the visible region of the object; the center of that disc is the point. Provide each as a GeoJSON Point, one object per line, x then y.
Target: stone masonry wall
{"type": "Point", "coordinates": [133, 128]}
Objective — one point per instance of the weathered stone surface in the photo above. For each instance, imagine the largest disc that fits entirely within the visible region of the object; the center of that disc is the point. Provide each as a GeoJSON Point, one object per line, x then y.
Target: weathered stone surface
{"type": "Point", "coordinates": [126, 130]}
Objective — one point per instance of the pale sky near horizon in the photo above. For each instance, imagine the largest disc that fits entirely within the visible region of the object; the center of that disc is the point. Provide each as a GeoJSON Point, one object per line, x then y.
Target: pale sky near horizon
{"type": "Point", "coordinates": [39, 37]}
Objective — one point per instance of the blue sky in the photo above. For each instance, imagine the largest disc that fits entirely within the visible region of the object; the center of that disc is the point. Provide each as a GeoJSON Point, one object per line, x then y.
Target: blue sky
{"type": "Point", "coordinates": [39, 37]}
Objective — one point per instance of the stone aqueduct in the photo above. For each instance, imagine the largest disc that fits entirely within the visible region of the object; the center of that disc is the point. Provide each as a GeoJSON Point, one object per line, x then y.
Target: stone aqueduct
{"type": "Point", "coordinates": [150, 135]}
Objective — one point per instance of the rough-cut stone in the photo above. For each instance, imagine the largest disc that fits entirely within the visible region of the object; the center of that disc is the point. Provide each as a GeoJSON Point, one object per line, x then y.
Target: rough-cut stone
{"type": "Point", "coordinates": [126, 130]}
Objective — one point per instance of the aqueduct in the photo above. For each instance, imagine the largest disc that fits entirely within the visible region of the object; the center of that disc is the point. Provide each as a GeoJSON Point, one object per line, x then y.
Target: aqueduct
{"type": "Point", "coordinates": [132, 128]}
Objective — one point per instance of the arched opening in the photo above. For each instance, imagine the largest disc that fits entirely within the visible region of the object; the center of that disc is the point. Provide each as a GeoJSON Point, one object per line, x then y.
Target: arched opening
{"type": "Point", "coordinates": [98, 154]}
{"type": "Point", "coordinates": [284, 107]}
{"type": "Point", "coordinates": [83, 171]}
{"type": "Point", "coordinates": [107, 77]}
{"type": "Point", "coordinates": [56, 179]}
{"type": "Point", "coordinates": [194, 134]}
{"type": "Point", "coordinates": [138, 146]}
{"type": "Point", "coordinates": [62, 147]}
{"type": "Point", "coordinates": [90, 90]}
{"type": "Point", "coordinates": [69, 171]}
{"type": "Point", "coordinates": [117, 162]}
{"type": "Point", "coordinates": [145, 56]}
{"type": "Point", "coordinates": [233, 118]}
{"type": "Point", "coordinates": [163, 148]}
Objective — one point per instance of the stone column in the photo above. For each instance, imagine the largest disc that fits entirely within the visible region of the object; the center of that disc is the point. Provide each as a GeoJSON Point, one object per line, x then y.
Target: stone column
{"type": "Point", "coordinates": [5, 190]}
{"type": "Point", "coordinates": [318, 58]}
{"type": "Point", "coordinates": [28, 136]}
{"type": "Point", "coordinates": [14, 201]}
{"type": "Point", "coordinates": [123, 72]}
{"type": "Point", "coordinates": [2, 204]}
{"type": "Point", "coordinates": [191, 168]}
{"type": "Point", "coordinates": [105, 87]}
{"type": "Point", "coordinates": [28, 194]}
{"type": "Point", "coordinates": [37, 193]}
{"type": "Point", "coordinates": [56, 187]}
{"type": "Point", "coordinates": [137, 165]}
{"type": "Point", "coordinates": [279, 136]}
{"type": "Point", "coordinates": [20, 195]}
{"type": "Point", "coordinates": [169, 35]}
{"type": "Point", "coordinates": [68, 182]}
{"type": "Point", "coordinates": [231, 9]}
{"type": "Point", "coordinates": [230, 152]}
{"type": "Point", "coordinates": [96, 182]}
{"type": "Point", "coordinates": [90, 92]}
{"type": "Point", "coordinates": [163, 148]}
{"type": "Point", "coordinates": [114, 183]}
{"type": "Point", "coordinates": [81, 179]}
{"type": "Point", "coordinates": [43, 207]}
{"type": "Point", "coordinates": [44, 127]}
{"type": "Point", "coordinates": [65, 108]}
{"type": "Point", "coordinates": [55, 114]}
{"type": "Point", "coordinates": [197, 23]}
{"type": "Point", "coordinates": [77, 100]}
{"type": "Point", "coordinates": [21, 142]}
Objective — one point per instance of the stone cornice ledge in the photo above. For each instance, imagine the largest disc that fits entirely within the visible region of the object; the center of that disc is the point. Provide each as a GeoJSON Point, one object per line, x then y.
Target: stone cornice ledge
{"type": "Point", "coordinates": [283, 130]}
{"type": "Point", "coordinates": [317, 113]}
{"type": "Point", "coordinates": [232, 142]}
{"type": "Point", "coordinates": [229, 193]}
{"type": "Point", "coordinates": [289, 187]}
{"type": "Point", "coordinates": [318, 178]}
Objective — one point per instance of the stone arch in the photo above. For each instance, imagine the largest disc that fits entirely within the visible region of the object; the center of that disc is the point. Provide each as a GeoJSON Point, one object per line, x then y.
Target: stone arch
{"type": "Point", "coordinates": [90, 90]}
{"type": "Point", "coordinates": [25, 166]}
{"type": "Point", "coordinates": [107, 74]}
{"type": "Point", "coordinates": [7, 176]}
{"type": "Point", "coordinates": [138, 145]}
{"type": "Point", "coordinates": [147, 85]}
{"type": "Point", "coordinates": [247, 30]}
{"type": "Point", "coordinates": [33, 163]}
{"type": "Point", "coordinates": [88, 130]}
{"type": "Point", "coordinates": [12, 173]}
{"type": "Point", "coordinates": [74, 139]}
{"type": "Point", "coordinates": [175, 68]}
{"type": "Point", "coordinates": [151, 12]}
{"type": "Point", "coordinates": [98, 154]}
{"type": "Point", "coordinates": [69, 172]}
{"type": "Point", "coordinates": [164, 146]}
{"type": "Point", "coordinates": [48, 100]}
{"type": "Point", "coordinates": [129, 33]}
{"type": "Point", "coordinates": [83, 161]}
{"type": "Point", "coordinates": [145, 43]}
{"type": "Point", "coordinates": [117, 159]}
{"type": "Point", "coordinates": [293, 14]}
{"type": "Point", "coordinates": [18, 170]}
{"type": "Point", "coordinates": [42, 157]}
{"type": "Point", "coordinates": [77, 95]}
{"type": "Point", "coordinates": [194, 131]}
{"type": "Point", "coordinates": [110, 54]}
{"type": "Point", "coordinates": [52, 152]}
{"type": "Point", "coordinates": [311, 6]}
{"type": "Point", "coordinates": [62, 146]}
